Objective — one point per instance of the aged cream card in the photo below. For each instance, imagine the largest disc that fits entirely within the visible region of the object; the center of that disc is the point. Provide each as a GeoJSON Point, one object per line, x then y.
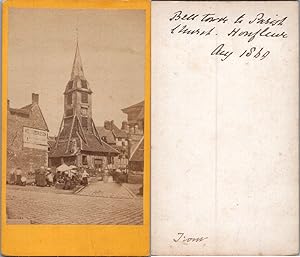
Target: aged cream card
{"type": "Point", "coordinates": [224, 128]}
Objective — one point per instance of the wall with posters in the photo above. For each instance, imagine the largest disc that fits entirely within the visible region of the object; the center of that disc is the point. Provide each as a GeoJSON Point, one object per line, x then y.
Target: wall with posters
{"type": "Point", "coordinates": [27, 138]}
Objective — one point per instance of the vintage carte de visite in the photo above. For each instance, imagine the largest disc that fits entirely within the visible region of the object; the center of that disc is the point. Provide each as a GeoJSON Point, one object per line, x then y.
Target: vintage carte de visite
{"type": "Point", "coordinates": [224, 133]}
{"type": "Point", "coordinates": [76, 128]}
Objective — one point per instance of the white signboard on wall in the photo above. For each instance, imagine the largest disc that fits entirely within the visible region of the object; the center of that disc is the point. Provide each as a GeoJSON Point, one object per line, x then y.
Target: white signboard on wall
{"type": "Point", "coordinates": [35, 138]}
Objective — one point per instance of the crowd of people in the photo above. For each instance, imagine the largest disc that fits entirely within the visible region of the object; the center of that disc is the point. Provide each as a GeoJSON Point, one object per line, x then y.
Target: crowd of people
{"type": "Point", "coordinates": [17, 177]}
{"type": "Point", "coordinates": [71, 178]}
{"type": "Point", "coordinates": [45, 176]}
{"type": "Point", "coordinates": [66, 177]}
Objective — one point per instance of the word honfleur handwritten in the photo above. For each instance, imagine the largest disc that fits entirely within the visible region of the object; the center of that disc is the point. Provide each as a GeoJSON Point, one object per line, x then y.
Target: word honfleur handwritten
{"type": "Point", "coordinates": [258, 26]}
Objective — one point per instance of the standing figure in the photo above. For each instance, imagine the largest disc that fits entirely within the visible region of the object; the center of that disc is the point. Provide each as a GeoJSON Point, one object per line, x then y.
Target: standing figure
{"type": "Point", "coordinates": [56, 177]}
{"type": "Point", "coordinates": [41, 179]}
{"type": "Point", "coordinates": [49, 177]}
{"type": "Point", "coordinates": [23, 180]}
{"type": "Point", "coordinates": [85, 178]}
{"type": "Point", "coordinates": [19, 175]}
{"type": "Point", "coordinates": [12, 177]}
{"type": "Point", "coordinates": [67, 181]}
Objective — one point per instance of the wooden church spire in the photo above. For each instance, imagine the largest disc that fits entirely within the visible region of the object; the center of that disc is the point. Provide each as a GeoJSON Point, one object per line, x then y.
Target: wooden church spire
{"type": "Point", "coordinates": [77, 69]}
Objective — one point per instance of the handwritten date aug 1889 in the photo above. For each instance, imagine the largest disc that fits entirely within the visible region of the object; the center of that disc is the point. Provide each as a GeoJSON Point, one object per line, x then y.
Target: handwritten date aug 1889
{"type": "Point", "coordinates": [258, 26]}
{"type": "Point", "coordinates": [252, 52]}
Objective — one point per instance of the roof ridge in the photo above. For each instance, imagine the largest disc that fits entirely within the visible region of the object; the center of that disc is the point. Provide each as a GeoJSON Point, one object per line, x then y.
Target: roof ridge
{"type": "Point", "coordinates": [26, 106]}
{"type": "Point", "coordinates": [134, 105]}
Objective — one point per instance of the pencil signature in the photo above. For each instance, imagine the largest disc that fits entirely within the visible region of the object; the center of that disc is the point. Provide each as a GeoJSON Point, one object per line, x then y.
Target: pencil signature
{"type": "Point", "coordinates": [182, 238]}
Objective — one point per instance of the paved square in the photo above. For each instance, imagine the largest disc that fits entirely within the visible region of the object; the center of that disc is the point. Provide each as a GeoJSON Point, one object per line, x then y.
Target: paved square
{"type": "Point", "coordinates": [99, 203]}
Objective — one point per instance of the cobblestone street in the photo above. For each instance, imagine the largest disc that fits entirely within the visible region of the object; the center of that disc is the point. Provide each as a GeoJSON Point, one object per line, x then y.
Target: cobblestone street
{"type": "Point", "coordinates": [99, 203]}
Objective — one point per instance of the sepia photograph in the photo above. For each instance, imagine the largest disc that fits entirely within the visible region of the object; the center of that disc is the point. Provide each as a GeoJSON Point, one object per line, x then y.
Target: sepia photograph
{"type": "Point", "coordinates": [75, 116]}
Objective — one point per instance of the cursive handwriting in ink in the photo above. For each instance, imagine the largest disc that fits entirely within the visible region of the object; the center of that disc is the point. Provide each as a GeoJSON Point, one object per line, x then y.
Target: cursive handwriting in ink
{"type": "Point", "coordinates": [184, 29]}
{"type": "Point", "coordinates": [258, 27]}
{"type": "Point", "coordinates": [254, 52]}
{"type": "Point", "coordinates": [182, 238]}
{"type": "Point", "coordinates": [211, 17]}
{"type": "Point", "coordinates": [260, 19]}
{"type": "Point", "coordinates": [260, 33]}
{"type": "Point", "coordinates": [220, 51]}
{"type": "Point", "coordinates": [185, 17]}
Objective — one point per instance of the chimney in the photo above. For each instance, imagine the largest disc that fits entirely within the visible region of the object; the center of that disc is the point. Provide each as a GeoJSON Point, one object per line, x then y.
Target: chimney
{"type": "Point", "coordinates": [111, 125]}
{"type": "Point", "coordinates": [35, 98]}
{"type": "Point", "coordinates": [125, 126]}
{"type": "Point", "coordinates": [107, 125]}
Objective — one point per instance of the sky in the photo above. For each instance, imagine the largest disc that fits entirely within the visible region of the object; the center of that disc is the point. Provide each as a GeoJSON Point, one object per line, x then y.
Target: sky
{"type": "Point", "coordinates": [41, 49]}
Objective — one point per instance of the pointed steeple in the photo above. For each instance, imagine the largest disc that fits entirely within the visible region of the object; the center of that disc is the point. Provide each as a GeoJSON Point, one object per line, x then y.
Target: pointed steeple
{"type": "Point", "coordinates": [77, 70]}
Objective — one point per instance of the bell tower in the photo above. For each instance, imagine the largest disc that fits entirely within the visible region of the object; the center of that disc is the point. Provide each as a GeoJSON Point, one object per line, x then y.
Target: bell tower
{"type": "Point", "coordinates": [78, 140]}
{"type": "Point", "coordinates": [78, 96]}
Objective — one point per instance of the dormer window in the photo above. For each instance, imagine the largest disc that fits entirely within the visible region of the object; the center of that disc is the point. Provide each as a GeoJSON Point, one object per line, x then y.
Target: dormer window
{"type": "Point", "coordinates": [70, 85]}
{"type": "Point", "coordinates": [69, 99]}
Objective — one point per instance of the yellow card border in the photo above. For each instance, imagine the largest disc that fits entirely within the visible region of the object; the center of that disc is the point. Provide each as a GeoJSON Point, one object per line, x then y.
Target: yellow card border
{"type": "Point", "coordinates": [76, 240]}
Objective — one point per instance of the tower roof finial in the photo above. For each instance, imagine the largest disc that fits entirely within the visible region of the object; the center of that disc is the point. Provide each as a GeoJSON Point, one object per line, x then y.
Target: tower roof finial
{"type": "Point", "coordinates": [77, 35]}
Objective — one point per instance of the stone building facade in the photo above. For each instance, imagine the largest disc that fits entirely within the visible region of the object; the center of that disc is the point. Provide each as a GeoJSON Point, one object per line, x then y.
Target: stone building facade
{"type": "Point", "coordinates": [27, 135]}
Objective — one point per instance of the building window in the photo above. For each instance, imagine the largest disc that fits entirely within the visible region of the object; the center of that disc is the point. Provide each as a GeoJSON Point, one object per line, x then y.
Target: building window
{"type": "Point", "coordinates": [84, 111]}
{"type": "Point", "coordinates": [84, 97]}
{"type": "Point", "coordinates": [84, 160]}
{"type": "Point", "coordinates": [69, 99]}
{"type": "Point", "coordinates": [69, 112]}
{"type": "Point", "coordinates": [84, 122]}
{"type": "Point", "coordinates": [98, 163]}
{"type": "Point", "coordinates": [110, 159]}
{"type": "Point", "coordinates": [83, 84]}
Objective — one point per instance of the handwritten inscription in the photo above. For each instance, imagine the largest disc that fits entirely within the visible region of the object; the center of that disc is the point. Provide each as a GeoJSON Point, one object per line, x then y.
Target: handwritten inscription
{"type": "Point", "coordinates": [205, 25]}
{"type": "Point", "coordinates": [220, 51]}
{"type": "Point", "coordinates": [257, 53]}
{"type": "Point", "coordinates": [183, 29]}
{"type": "Point", "coordinates": [181, 237]}
{"type": "Point", "coordinates": [252, 34]}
